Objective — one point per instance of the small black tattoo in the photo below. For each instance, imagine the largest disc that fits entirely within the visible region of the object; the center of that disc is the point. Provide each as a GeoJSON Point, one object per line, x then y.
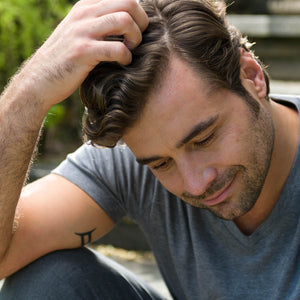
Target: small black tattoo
{"type": "Point", "coordinates": [86, 237]}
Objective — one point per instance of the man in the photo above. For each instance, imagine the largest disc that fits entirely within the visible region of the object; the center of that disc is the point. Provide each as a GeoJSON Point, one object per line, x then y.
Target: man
{"type": "Point", "coordinates": [209, 170]}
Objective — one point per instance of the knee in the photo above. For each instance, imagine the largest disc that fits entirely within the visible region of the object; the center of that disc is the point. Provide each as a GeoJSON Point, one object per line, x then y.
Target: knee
{"type": "Point", "coordinates": [74, 274]}
{"type": "Point", "coordinates": [54, 276]}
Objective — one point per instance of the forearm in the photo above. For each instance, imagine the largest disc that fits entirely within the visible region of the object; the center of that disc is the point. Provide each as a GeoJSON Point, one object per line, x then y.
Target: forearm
{"type": "Point", "coordinates": [56, 70]}
{"type": "Point", "coordinates": [21, 116]}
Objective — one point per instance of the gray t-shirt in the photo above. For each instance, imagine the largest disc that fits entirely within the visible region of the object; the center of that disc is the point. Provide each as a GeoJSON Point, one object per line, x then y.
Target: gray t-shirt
{"type": "Point", "coordinates": [200, 256]}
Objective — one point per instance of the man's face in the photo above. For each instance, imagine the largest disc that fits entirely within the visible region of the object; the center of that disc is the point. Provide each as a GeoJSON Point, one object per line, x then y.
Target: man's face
{"type": "Point", "coordinates": [209, 149]}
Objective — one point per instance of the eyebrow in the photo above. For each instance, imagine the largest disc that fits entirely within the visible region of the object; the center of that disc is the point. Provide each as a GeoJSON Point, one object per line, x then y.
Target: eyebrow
{"type": "Point", "coordinates": [146, 161]}
{"type": "Point", "coordinates": [195, 131]}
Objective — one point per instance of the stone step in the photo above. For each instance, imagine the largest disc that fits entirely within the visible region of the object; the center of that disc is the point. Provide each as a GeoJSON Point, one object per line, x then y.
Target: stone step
{"type": "Point", "coordinates": [267, 25]}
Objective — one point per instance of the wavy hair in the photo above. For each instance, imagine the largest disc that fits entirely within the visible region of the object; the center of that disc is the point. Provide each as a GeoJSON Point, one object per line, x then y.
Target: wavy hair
{"type": "Point", "coordinates": [196, 31]}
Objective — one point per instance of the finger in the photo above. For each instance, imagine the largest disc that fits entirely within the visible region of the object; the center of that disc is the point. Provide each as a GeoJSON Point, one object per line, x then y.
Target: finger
{"type": "Point", "coordinates": [133, 8]}
{"type": "Point", "coordinates": [101, 8]}
{"type": "Point", "coordinates": [110, 51]}
{"type": "Point", "coordinates": [118, 24]}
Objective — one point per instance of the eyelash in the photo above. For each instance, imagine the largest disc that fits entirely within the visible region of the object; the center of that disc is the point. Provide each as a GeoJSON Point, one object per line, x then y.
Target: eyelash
{"type": "Point", "coordinates": [205, 141]}
{"type": "Point", "coordinates": [165, 164]}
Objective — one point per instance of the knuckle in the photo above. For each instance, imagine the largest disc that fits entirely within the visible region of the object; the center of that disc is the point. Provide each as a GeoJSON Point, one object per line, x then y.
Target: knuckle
{"type": "Point", "coordinates": [81, 11]}
{"type": "Point", "coordinates": [119, 20]}
{"type": "Point", "coordinates": [78, 13]}
{"type": "Point", "coordinates": [122, 53]}
{"type": "Point", "coordinates": [125, 19]}
{"type": "Point", "coordinates": [110, 19]}
{"type": "Point", "coordinates": [106, 54]}
{"type": "Point", "coordinates": [130, 4]}
{"type": "Point", "coordinates": [79, 49]}
{"type": "Point", "coordinates": [120, 50]}
{"type": "Point", "coordinates": [139, 37]}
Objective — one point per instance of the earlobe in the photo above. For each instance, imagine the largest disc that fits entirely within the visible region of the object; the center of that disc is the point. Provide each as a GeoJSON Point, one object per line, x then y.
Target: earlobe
{"type": "Point", "coordinates": [252, 75]}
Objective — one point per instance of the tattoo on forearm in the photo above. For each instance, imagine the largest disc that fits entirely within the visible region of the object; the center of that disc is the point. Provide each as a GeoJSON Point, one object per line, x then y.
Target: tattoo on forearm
{"type": "Point", "coordinates": [86, 237]}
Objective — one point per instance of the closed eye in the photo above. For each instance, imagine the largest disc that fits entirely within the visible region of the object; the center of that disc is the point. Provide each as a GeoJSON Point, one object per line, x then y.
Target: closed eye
{"type": "Point", "coordinates": [162, 165]}
{"type": "Point", "coordinates": [205, 141]}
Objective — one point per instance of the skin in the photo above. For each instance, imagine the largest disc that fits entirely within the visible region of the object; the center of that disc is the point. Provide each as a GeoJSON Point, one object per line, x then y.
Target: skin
{"type": "Point", "coordinates": [226, 164]}
{"type": "Point", "coordinates": [52, 213]}
{"type": "Point", "coordinates": [48, 212]}
{"type": "Point", "coordinates": [197, 163]}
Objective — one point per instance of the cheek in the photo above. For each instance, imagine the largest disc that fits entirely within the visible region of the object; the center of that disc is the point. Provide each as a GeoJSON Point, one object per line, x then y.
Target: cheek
{"type": "Point", "coordinates": [234, 146]}
{"type": "Point", "coordinates": [171, 181]}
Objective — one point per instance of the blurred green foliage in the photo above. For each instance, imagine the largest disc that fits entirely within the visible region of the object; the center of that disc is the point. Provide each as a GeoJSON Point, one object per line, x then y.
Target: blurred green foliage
{"type": "Point", "coordinates": [24, 26]}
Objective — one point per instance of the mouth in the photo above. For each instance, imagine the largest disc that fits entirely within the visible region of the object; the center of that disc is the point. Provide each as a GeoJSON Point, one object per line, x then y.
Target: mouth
{"type": "Point", "coordinates": [219, 196]}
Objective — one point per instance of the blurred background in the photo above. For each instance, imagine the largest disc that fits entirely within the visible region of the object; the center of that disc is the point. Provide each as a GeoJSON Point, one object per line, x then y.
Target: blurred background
{"type": "Point", "coordinates": [24, 25]}
{"type": "Point", "coordinates": [274, 26]}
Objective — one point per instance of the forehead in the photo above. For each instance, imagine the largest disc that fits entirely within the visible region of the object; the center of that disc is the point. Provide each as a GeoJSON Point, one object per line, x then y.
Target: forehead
{"type": "Point", "coordinates": [179, 81]}
{"type": "Point", "coordinates": [180, 101]}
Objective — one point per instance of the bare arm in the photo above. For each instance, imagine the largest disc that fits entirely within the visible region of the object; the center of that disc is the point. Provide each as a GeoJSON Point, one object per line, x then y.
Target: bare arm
{"type": "Point", "coordinates": [52, 214]}
{"type": "Point", "coordinates": [51, 75]}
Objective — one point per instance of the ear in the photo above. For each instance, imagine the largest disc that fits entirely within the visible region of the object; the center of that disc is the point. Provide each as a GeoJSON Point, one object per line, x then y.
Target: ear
{"type": "Point", "coordinates": [252, 76]}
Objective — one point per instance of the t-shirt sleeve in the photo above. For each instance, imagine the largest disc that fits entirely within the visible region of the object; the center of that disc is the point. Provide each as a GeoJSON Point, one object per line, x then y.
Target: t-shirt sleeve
{"type": "Point", "coordinates": [99, 172]}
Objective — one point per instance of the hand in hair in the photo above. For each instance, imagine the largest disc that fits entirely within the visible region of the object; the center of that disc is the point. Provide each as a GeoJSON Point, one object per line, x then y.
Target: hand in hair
{"type": "Point", "coordinates": [80, 42]}
{"type": "Point", "coordinates": [54, 72]}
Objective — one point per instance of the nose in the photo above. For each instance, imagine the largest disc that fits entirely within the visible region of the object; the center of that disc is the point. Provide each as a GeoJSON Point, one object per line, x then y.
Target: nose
{"type": "Point", "coordinates": [197, 179]}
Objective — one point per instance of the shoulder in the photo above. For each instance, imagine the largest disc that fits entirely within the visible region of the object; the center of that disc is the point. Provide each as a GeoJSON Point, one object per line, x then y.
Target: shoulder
{"type": "Point", "coordinates": [287, 99]}
{"type": "Point", "coordinates": [111, 165]}
{"type": "Point", "coordinates": [90, 156]}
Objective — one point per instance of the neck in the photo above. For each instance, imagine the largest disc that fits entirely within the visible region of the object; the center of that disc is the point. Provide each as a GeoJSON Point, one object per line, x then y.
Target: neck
{"type": "Point", "coordinates": [286, 126]}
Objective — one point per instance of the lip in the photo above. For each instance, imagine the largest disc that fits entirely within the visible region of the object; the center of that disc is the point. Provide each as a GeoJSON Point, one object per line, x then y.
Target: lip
{"type": "Point", "coordinates": [219, 196]}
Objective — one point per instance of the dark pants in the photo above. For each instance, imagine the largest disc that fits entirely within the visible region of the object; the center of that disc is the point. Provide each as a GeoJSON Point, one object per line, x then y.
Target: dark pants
{"type": "Point", "coordinates": [75, 274]}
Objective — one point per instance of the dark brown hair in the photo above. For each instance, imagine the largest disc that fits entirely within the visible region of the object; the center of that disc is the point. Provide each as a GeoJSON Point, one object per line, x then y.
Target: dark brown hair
{"type": "Point", "coordinates": [194, 30]}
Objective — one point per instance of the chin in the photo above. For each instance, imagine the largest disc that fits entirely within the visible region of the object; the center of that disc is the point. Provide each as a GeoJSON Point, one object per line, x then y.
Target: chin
{"type": "Point", "coordinates": [231, 211]}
